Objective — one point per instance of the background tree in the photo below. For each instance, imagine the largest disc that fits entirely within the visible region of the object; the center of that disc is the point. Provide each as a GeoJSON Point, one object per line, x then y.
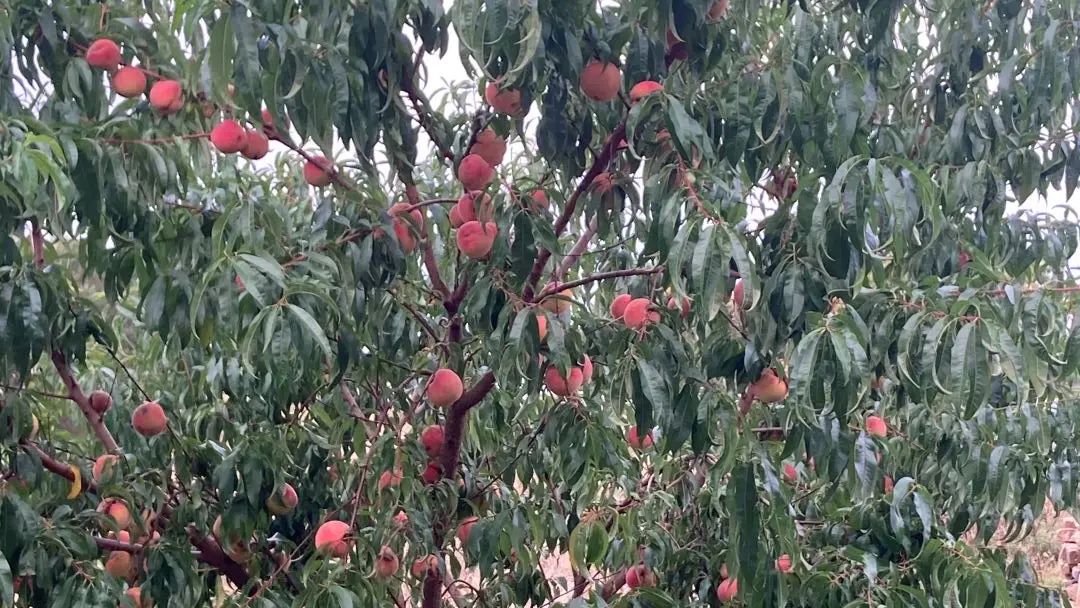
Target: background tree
{"type": "Point", "coordinates": [738, 316]}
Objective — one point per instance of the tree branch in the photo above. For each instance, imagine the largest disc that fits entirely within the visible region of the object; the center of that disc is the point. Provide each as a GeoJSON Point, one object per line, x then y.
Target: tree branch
{"type": "Point", "coordinates": [600, 276]}
{"type": "Point", "coordinates": [78, 396]}
{"type": "Point", "coordinates": [613, 585]}
{"type": "Point", "coordinates": [55, 466]}
{"type": "Point", "coordinates": [599, 166]}
{"type": "Point", "coordinates": [575, 252]}
{"type": "Point", "coordinates": [212, 555]}
{"type": "Point", "coordinates": [108, 544]}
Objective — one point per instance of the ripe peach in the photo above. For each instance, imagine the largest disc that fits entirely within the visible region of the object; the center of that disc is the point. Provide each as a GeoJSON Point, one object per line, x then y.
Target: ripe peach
{"type": "Point", "coordinates": [618, 305]}
{"type": "Point", "coordinates": [587, 369]}
{"type": "Point", "coordinates": [268, 121]}
{"type": "Point", "coordinates": [316, 171]}
{"type": "Point", "coordinates": [474, 172]}
{"type": "Point", "coordinates": [506, 101]}
{"type": "Point", "coordinates": [475, 239]}
{"type": "Point", "coordinates": [640, 576]}
{"type": "Point", "coordinates": [558, 303]}
{"type": "Point", "coordinates": [116, 509]}
{"type": "Point", "coordinates": [791, 475]}
{"type": "Point", "coordinates": [444, 387]}
{"type": "Point", "coordinates": [121, 535]}
{"type": "Point", "coordinates": [727, 589]}
{"type": "Point", "coordinates": [401, 520]}
{"type": "Point", "coordinates": [256, 146]}
{"type": "Point", "coordinates": [783, 564]}
{"type": "Point", "coordinates": [135, 595]}
{"type": "Point", "coordinates": [600, 80]}
{"type": "Point", "coordinates": [717, 12]}
{"type": "Point", "coordinates": [386, 563]}
{"type": "Point", "coordinates": [770, 388]}
{"type": "Point", "coordinates": [166, 96]}
{"type": "Point", "coordinates": [421, 566]}
{"type": "Point", "coordinates": [331, 539]}
{"type": "Point", "coordinates": [432, 439]}
{"type": "Point", "coordinates": [643, 88]}
{"type": "Point", "coordinates": [637, 443]}
{"type": "Point", "coordinates": [489, 146]}
{"type": "Point", "coordinates": [723, 571]}
{"type": "Point", "coordinates": [103, 465]}
{"type": "Point", "coordinates": [685, 308]}
{"type": "Point", "coordinates": [541, 326]}
{"type": "Point", "coordinates": [888, 485]}
{"type": "Point", "coordinates": [282, 503]}
{"type": "Point", "coordinates": [432, 473]}
{"type": "Point", "coordinates": [389, 479]}
{"type": "Point", "coordinates": [129, 82]}
{"type": "Point", "coordinates": [100, 401]}
{"type": "Point", "coordinates": [539, 200]}
{"type": "Point", "coordinates": [472, 206]}
{"type": "Point", "coordinates": [564, 387]}
{"type": "Point", "coordinates": [406, 221]}
{"type": "Point", "coordinates": [103, 54]}
{"type": "Point", "coordinates": [875, 425]}
{"type": "Point", "coordinates": [636, 313]}
{"type": "Point", "coordinates": [737, 293]}
{"type": "Point", "coordinates": [228, 136]}
{"type": "Point", "coordinates": [118, 564]}
{"type": "Point", "coordinates": [149, 419]}
{"type": "Point", "coordinates": [465, 529]}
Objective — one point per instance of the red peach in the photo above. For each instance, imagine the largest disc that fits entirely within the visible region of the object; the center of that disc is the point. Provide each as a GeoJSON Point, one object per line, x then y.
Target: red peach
{"type": "Point", "coordinates": [103, 464]}
{"type": "Point", "coordinates": [401, 520]}
{"type": "Point", "coordinates": [474, 172]}
{"type": "Point", "coordinates": [717, 12]}
{"type": "Point", "coordinates": [316, 171]}
{"type": "Point", "coordinates": [472, 206]}
{"type": "Point", "coordinates": [644, 88]}
{"type": "Point", "coordinates": [640, 576]}
{"type": "Point", "coordinates": [268, 121]}
{"type": "Point", "coordinates": [387, 563]}
{"type": "Point", "coordinates": [166, 96]}
{"type": "Point", "coordinates": [444, 387]}
{"type": "Point", "coordinates": [875, 425]}
{"type": "Point", "coordinates": [727, 590]}
{"type": "Point", "coordinates": [618, 305]}
{"type": "Point", "coordinates": [282, 503]}
{"type": "Point", "coordinates": [149, 419]}
{"type": "Point", "coordinates": [129, 82]}
{"type": "Point", "coordinates": [432, 439]}
{"type": "Point", "coordinates": [888, 485]}
{"type": "Point", "coordinates": [135, 595]}
{"type": "Point", "coordinates": [685, 309]}
{"type": "Point", "coordinates": [406, 221]}
{"type": "Point", "coordinates": [790, 473]}
{"type": "Point", "coordinates": [100, 401]}
{"type": "Point", "coordinates": [489, 146]}
{"type": "Point", "coordinates": [103, 54]}
{"type": "Point", "coordinates": [600, 80]}
{"type": "Point", "coordinates": [635, 442]}
{"type": "Point", "coordinates": [564, 387]}
{"type": "Point", "coordinates": [119, 564]}
{"type": "Point", "coordinates": [770, 388]}
{"type": "Point", "coordinates": [421, 566]}
{"type": "Point", "coordinates": [636, 313]}
{"type": "Point", "coordinates": [783, 564]}
{"type": "Point", "coordinates": [587, 369]}
{"type": "Point", "coordinates": [539, 200]}
{"type": "Point", "coordinates": [331, 539]}
{"type": "Point", "coordinates": [257, 145]}
{"type": "Point", "coordinates": [475, 239]}
{"type": "Point", "coordinates": [465, 529]}
{"type": "Point", "coordinates": [737, 293]}
{"type": "Point", "coordinates": [559, 302]}
{"type": "Point", "coordinates": [541, 326]}
{"type": "Point", "coordinates": [431, 473]}
{"type": "Point", "coordinates": [507, 101]}
{"type": "Point", "coordinates": [228, 136]}
{"type": "Point", "coordinates": [389, 479]}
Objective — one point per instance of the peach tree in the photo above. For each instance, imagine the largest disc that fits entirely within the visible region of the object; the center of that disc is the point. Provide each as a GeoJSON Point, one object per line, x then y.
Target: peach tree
{"type": "Point", "coordinates": [534, 302]}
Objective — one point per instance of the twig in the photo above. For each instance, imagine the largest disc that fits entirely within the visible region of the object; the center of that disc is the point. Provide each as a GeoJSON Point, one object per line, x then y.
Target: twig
{"type": "Point", "coordinates": [600, 276]}
{"type": "Point", "coordinates": [577, 250]}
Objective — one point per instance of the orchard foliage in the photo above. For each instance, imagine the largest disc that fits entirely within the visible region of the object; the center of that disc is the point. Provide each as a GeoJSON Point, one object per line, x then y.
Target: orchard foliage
{"type": "Point", "coordinates": [766, 330]}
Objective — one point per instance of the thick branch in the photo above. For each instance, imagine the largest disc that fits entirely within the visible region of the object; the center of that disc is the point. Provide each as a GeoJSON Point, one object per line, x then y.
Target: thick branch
{"type": "Point", "coordinates": [576, 251]}
{"type": "Point", "coordinates": [78, 396]}
{"type": "Point", "coordinates": [600, 276]}
{"type": "Point", "coordinates": [613, 585]}
{"type": "Point", "coordinates": [599, 166]}
{"type": "Point", "coordinates": [55, 466]}
{"type": "Point", "coordinates": [108, 544]}
{"type": "Point", "coordinates": [212, 555]}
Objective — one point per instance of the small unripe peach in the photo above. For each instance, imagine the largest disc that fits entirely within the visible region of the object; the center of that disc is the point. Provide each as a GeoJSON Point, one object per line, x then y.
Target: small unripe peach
{"type": "Point", "coordinates": [636, 313]}
{"type": "Point", "coordinates": [118, 564]}
{"type": "Point", "coordinates": [685, 308]}
{"type": "Point", "coordinates": [149, 419]}
{"type": "Point", "coordinates": [727, 589]}
{"type": "Point", "coordinates": [256, 146]}
{"type": "Point", "coordinates": [407, 221]}
{"type": "Point", "coordinates": [875, 425]}
{"type": "Point", "coordinates": [389, 479]}
{"type": "Point", "coordinates": [166, 96]}
{"type": "Point", "coordinates": [644, 88]}
{"type": "Point", "coordinates": [791, 475]}
{"type": "Point", "coordinates": [331, 539]}
{"type": "Point", "coordinates": [421, 566]}
{"type": "Point", "coordinates": [129, 82]}
{"type": "Point", "coordinates": [475, 239]}
{"type": "Point", "coordinates": [475, 173]}
{"type": "Point", "coordinates": [316, 171]}
{"type": "Point", "coordinates": [506, 101]}
{"type": "Point", "coordinates": [103, 54]}
{"type": "Point", "coordinates": [100, 401]}
{"type": "Point", "coordinates": [618, 305]}
{"type": "Point", "coordinates": [465, 529]}
{"type": "Point", "coordinates": [103, 464]}
{"type": "Point", "coordinates": [228, 136]}
{"type": "Point", "coordinates": [489, 146]}
{"type": "Point", "coordinates": [444, 387]}
{"type": "Point", "coordinates": [284, 502]}
{"type": "Point", "coordinates": [783, 564]}
{"type": "Point", "coordinates": [558, 303]}
{"type": "Point", "coordinates": [600, 81]}
{"type": "Point", "coordinates": [432, 439]}
{"type": "Point", "coordinates": [387, 563]}
{"type": "Point", "coordinates": [564, 387]}
{"type": "Point", "coordinates": [635, 442]}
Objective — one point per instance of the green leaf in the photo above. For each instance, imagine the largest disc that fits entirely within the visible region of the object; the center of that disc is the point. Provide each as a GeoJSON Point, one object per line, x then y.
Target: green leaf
{"type": "Point", "coordinates": [7, 585]}
{"type": "Point", "coordinates": [742, 503]}
{"type": "Point", "coordinates": [222, 52]}
{"type": "Point", "coordinates": [268, 266]}
{"type": "Point", "coordinates": [312, 327]}
{"type": "Point", "coordinates": [654, 386]}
